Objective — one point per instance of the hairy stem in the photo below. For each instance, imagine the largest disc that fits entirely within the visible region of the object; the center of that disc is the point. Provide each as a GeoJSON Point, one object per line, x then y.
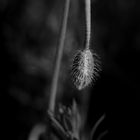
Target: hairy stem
{"type": "Point", "coordinates": [88, 22]}
{"type": "Point", "coordinates": [59, 57]}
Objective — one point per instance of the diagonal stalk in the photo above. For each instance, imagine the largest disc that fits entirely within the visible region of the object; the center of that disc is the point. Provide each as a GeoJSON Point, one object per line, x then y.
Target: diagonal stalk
{"type": "Point", "coordinates": [96, 126]}
{"type": "Point", "coordinates": [59, 57]}
{"type": "Point", "coordinates": [102, 135]}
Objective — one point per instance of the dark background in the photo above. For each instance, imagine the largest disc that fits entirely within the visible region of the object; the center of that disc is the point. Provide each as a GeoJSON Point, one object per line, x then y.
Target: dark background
{"type": "Point", "coordinates": [29, 30]}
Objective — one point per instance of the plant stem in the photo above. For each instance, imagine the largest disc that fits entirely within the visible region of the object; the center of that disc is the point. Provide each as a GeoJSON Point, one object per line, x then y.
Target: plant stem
{"type": "Point", "coordinates": [88, 22]}
{"type": "Point", "coordinates": [59, 57]}
{"type": "Point", "coordinates": [102, 135]}
{"type": "Point", "coordinates": [96, 125]}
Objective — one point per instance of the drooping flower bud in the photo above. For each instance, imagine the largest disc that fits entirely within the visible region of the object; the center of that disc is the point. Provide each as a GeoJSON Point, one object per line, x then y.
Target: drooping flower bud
{"type": "Point", "coordinates": [85, 68]}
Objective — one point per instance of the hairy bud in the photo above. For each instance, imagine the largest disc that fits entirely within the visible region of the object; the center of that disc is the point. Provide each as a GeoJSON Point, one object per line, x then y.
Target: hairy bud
{"type": "Point", "coordinates": [85, 68]}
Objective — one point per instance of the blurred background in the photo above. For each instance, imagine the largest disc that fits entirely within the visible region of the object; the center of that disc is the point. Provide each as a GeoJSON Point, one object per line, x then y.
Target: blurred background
{"type": "Point", "coordinates": [29, 32]}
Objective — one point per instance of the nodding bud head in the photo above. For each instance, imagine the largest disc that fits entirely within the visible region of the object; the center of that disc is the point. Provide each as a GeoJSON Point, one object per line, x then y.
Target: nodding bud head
{"type": "Point", "coordinates": [85, 68]}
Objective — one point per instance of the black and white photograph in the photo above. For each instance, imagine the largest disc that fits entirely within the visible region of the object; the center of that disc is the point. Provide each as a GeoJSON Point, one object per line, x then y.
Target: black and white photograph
{"type": "Point", "coordinates": [70, 69]}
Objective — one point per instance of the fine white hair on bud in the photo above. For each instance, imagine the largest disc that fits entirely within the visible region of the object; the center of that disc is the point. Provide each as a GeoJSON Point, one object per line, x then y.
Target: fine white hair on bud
{"type": "Point", "coordinates": [85, 68]}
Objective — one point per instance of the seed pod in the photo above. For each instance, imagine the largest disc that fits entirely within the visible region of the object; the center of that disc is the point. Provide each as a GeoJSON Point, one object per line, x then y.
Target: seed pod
{"type": "Point", "coordinates": [85, 68]}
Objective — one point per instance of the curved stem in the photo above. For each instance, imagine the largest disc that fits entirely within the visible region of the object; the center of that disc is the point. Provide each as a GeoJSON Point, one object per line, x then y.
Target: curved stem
{"type": "Point", "coordinates": [96, 125]}
{"type": "Point", "coordinates": [59, 57]}
{"type": "Point", "coordinates": [102, 135]}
